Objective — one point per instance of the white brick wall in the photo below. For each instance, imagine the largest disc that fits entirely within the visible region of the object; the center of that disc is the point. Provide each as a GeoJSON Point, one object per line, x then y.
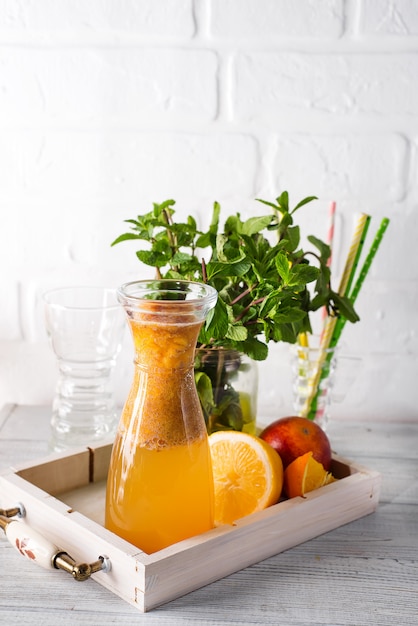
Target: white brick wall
{"type": "Point", "coordinates": [95, 85]}
{"type": "Point", "coordinates": [109, 105]}
{"type": "Point", "coordinates": [317, 85]}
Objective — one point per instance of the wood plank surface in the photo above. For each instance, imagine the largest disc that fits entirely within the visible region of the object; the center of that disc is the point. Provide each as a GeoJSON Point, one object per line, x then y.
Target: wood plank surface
{"type": "Point", "coordinates": [364, 572]}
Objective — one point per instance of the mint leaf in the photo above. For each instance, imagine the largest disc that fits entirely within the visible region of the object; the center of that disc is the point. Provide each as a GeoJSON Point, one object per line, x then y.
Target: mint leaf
{"type": "Point", "coordinates": [227, 269]}
{"type": "Point", "coordinates": [283, 202]}
{"type": "Point", "coordinates": [293, 237]}
{"type": "Point", "coordinates": [323, 248]}
{"type": "Point", "coordinates": [302, 274]}
{"type": "Point", "coordinates": [345, 308]}
{"type": "Point", "coordinates": [205, 392]}
{"type": "Point", "coordinates": [237, 333]}
{"type": "Point", "coordinates": [303, 202]}
{"type": "Point", "coordinates": [150, 257]}
{"type": "Point", "coordinates": [255, 349]}
{"type": "Point", "coordinates": [181, 257]}
{"type": "Point", "coordinates": [255, 225]}
{"type": "Point", "coordinates": [282, 266]}
{"type": "Point", "coordinates": [217, 326]}
{"type": "Point", "coordinates": [125, 237]}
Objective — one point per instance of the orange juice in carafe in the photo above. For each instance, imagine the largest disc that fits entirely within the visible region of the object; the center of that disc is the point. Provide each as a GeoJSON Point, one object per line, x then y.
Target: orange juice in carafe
{"type": "Point", "coordinates": [174, 504]}
{"type": "Point", "coordinates": [160, 484]}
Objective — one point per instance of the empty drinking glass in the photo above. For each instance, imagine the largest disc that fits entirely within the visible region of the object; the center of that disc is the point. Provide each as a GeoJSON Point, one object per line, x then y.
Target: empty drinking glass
{"type": "Point", "coordinates": [86, 326]}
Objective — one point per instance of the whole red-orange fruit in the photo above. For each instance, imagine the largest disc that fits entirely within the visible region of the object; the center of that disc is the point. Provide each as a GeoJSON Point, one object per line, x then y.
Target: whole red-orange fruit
{"type": "Point", "coordinates": [293, 436]}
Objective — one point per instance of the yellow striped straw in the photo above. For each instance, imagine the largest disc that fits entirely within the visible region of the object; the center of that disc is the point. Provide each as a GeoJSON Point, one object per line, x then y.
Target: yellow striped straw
{"type": "Point", "coordinates": [328, 332]}
{"type": "Point", "coordinates": [362, 222]}
{"type": "Point", "coordinates": [356, 240]}
{"type": "Point", "coordinates": [303, 340]}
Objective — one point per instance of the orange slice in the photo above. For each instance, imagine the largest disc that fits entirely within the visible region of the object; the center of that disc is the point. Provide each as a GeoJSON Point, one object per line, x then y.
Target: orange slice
{"type": "Point", "coordinates": [247, 472]}
{"type": "Point", "coordinates": [305, 474]}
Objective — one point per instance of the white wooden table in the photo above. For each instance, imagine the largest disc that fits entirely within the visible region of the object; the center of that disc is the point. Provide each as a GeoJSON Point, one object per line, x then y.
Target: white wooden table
{"type": "Point", "coordinates": [365, 572]}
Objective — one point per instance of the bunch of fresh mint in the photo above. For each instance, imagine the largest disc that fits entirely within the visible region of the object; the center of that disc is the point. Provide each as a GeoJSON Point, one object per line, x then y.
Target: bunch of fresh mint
{"type": "Point", "coordinates": [266, 290]}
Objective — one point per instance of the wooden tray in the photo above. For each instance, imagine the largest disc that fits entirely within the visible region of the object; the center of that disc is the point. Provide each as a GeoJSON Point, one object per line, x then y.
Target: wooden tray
{"type": "Point", "coordinates": [64, 500]}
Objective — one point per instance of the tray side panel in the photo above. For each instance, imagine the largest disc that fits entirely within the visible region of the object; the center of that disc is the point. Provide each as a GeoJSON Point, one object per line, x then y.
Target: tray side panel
{"type": "Point", "coordinates": [68, 471]}
{"type": "Point", "coordinates": [100, 461]}
{"type": "Point", "coordinates": [259, 536]}
{"type": "Point", "coordinates": [59, 474]}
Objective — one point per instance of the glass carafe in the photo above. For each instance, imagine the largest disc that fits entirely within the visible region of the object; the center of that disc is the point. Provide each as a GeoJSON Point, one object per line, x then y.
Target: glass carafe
{"type": "Point", "coordinates": [160, 484]}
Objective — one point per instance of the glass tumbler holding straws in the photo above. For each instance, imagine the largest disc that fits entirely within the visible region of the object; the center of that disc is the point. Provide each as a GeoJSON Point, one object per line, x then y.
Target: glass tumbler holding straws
{"type": "Point", "coordinates": [313, 371]}
{"type": "Point", "coordinates": [85, 326]}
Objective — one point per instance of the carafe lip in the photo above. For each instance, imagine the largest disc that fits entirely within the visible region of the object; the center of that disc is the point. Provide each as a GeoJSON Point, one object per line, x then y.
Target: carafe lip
{"type": "Point", "coordinates": [153, 290]}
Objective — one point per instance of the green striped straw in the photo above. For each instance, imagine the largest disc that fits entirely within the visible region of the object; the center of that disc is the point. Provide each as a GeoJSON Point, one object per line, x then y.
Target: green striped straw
{"type": "Point", "coordinates": [360, 280]}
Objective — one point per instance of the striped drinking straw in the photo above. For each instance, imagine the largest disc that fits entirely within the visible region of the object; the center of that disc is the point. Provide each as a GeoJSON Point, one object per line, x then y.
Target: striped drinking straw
{"type": "Point", "coordinates": [331, 227]}
{"type": "Point", "coordinates": [360, 280]}
{"type": "Point", "coordinates": [330, 240]}
{"type": "Point", "coordinates": [357, 242]}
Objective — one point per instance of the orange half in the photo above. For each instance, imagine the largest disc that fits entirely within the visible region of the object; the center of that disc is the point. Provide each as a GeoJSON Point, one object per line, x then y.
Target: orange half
{"type": "Point", "coordinates": [247, 473]}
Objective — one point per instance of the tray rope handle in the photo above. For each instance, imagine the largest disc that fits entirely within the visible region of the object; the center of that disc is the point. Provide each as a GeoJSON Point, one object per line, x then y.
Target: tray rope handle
{"type": "Point", "coordinates": [34, 546]}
